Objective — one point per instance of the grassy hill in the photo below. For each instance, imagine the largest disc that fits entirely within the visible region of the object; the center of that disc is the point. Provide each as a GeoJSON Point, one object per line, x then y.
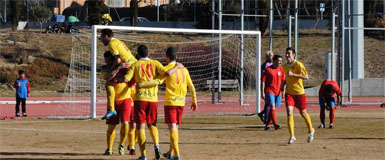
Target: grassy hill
{"type": "Point", "coordinates": [46, 57]}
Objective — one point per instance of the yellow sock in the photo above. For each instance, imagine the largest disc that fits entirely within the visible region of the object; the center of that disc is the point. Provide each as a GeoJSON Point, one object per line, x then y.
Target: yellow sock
{"type": "Point", "coordinates": [111, 98]}
{"type": "Point", "coordinates": [175, 141]}
{"type": "Point", "coordinates": [123, 133]}
{"type": "Point", "coordinates": [110, 136]}
{"type": "Point", "coordinates": [171, 148]}
{"type": "Point", "coordinates": [131, 139]}
{"type": "Point", "coordinates": [290, 124]}
{"type": "Point", "coordinates": [154, 134]}
{"type": "Point", "coordinates": [308, 123]}
{"type": "Point", "coordinates": [142, 141]}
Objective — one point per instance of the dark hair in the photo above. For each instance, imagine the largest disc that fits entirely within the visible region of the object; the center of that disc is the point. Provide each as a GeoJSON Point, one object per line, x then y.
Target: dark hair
{"type": "Point", "coordinates": [107, 32]}
{"type": "Point", "coordinates": [288, 49]}
{"type": "Point", "coordinates": [21, 72]}
{"type": "Point", "coordinates": [143, 51]}
{"type": "Point", "coordinates": [170, 53]}
{"type": "Point", "coordinates": [107, 54]}
{"type": "Point", "coordinates": [329, 88]}
{"type": "Point", "coordinates": [276, 57]}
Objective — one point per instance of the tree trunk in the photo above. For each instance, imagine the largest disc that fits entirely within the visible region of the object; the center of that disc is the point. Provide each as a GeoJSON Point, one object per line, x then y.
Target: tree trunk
{"type": "Point", "coordinates": [279, 12]}
{"type": "Point", "coordinates": [304, 6]}
{"type": "Point", "coordinates": [134, 11]}
{"type": "Point", "coordinates": [288, 9]}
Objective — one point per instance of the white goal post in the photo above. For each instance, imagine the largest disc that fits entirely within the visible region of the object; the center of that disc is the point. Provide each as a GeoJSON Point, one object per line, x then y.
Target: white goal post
{"type": "Point", "coordinates": [257, 34]}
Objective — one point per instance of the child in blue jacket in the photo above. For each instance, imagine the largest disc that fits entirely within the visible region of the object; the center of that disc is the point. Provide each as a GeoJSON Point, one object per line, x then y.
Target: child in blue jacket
{"type": "Point", "coordinates": [22, 92]}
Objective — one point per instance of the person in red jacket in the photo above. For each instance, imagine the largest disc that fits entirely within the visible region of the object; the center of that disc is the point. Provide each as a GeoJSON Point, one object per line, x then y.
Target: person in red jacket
{"type": "Point", "coordinates": [23, 91]}
{"type": "Point", "coordinates": [326, 96]}
{"type": "Point", "coordinates": [272, 87]}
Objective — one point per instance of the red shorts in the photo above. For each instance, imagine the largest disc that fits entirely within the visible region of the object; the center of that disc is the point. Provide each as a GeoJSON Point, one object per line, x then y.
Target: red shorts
{"type": "Point", "coordinates": [298, 101]}
{"type": "Point", "coordinates": [145, 112]}
{"type": "Point", "coordinates": [173, 114]}
{"type": "Point", "coordinates": [123, 108]}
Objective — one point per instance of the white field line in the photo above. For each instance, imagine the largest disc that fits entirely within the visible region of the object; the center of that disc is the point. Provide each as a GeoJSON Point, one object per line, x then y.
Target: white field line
{"type": "Point", "coordinates": [48, 102]}
{"type": "Point", "coordinates": [52, 130]}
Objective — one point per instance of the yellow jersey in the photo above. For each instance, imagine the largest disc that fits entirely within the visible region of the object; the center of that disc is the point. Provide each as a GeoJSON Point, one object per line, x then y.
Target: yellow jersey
{"type": "Point", "coordinates": [117, 47]}
{"type": "Point", "coordinates": [294, 85]}
{"type": "Point", "coordinates": [176, 87]}
{"type": "Point", "coordinates": [145, 70]}
{"type": "Point", "coordinates": [122, 90]}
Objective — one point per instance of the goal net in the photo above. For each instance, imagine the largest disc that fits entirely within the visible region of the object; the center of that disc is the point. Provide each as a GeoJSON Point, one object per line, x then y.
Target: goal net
{"type": "Point", "coordinates": [223, 65]}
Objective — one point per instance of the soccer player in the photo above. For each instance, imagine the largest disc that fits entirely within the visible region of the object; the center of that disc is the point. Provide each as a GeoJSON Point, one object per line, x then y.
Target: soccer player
{"type": "Point", "coordinates": [23, 91]}
{"type": "Point", "coordinates": [146, 99]}
{"type": "Point", "coordinates": [295, 96]}
{"type": "Point", "coordinates": [264, 114]}
{"type": "Point", "coordinates": [272, 84]}
{"type": "Point", "coordinates": [174, 101]}
{"type": "Point", "coordinates": [122, 100]}
{"type": "Point", "coordinates": [326, 95]}
{"type": "Point", "coordinates": [123, 58]}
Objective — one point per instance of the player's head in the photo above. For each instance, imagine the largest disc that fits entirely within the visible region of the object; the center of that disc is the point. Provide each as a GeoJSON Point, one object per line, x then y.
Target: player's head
{"type": "Point", "coordinates": [21, 73]}
{"type": "Point", "coordinates": [277, 61]}
{"type": "Point", "coordinates": [269, 56]}
{"type": "Point", "coordinates": [290, 54]}
{"type": "Point", "coordinates": [108, 58]}
{"type": "Point", "coordinates": [106, 35]}
{"type": "Point", "coordinates": [170, 54]}
{"type": "Point", "coordinates": [143, 51]}
{"type": "Point", "coordinates": [329, 89]}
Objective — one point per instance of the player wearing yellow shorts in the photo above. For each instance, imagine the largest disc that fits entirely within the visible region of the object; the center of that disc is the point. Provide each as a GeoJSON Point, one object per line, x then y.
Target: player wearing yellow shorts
{"type": "Point", "coordinates": [123, 58]}
{"type": "Point", "coordinates": [295, 96]}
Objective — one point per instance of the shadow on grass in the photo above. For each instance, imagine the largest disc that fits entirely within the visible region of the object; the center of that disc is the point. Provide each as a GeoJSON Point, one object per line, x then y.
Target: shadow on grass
{"type": "Point", "coordinates": [358, 138]}
{"type": "Point", "coordinates": [47, 154]}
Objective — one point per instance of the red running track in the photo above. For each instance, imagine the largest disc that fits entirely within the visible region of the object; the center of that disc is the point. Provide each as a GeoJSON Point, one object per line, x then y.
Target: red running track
{"type": "Point", "coordinates": [204, 106]}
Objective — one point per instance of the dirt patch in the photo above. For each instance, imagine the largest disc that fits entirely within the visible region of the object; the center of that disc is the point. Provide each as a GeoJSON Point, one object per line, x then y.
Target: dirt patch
{"type": "Point", "coordinates": [358, 134]}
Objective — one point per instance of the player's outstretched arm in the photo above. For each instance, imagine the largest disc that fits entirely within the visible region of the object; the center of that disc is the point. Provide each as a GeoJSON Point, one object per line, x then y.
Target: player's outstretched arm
{"type": "Point", "coordinates": [171, 71]}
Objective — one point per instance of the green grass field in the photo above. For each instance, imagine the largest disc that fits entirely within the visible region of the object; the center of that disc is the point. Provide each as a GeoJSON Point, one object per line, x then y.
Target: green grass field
{"type": "Point", "coordinates": [358, 134]}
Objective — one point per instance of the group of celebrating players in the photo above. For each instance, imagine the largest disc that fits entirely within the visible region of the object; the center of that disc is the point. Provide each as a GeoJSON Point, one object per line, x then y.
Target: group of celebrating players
{"type": "Point", "coordinates": [132, 95]}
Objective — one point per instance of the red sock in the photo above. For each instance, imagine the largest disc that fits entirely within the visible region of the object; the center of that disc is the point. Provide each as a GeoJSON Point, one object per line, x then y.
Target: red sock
{"type": "Point", "coordinates": [322, 115]}
{"type": "Point", "coordinates": [274, 117]}
{"type": "Point", "coordinates": [331, 115]}
{"type": "Point", "coordinates": [269, 120]}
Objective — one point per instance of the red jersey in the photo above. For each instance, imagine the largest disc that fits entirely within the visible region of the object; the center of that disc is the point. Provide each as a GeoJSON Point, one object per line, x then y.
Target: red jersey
{"type": "Point", "coordinates": [273, 78]}
{"type": "Point", "coordinates": [322, 90]}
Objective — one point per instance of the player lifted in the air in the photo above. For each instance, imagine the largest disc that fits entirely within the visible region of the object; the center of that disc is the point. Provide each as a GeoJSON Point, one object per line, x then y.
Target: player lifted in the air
{"type": "Point", "coordinates": [123, 58]}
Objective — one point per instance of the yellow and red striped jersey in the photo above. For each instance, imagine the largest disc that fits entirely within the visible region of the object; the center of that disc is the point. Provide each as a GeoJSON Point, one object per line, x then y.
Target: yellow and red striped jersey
{"type": "Point", "coordinates": [176, 86]}
{"type": "Point", "coordinates": [145, 70]}
{"type": "Point", "coordinates": [117, 47]}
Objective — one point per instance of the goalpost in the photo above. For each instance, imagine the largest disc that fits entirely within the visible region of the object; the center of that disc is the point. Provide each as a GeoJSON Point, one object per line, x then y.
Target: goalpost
{"type": "Point", "coordinates": [209, 62]}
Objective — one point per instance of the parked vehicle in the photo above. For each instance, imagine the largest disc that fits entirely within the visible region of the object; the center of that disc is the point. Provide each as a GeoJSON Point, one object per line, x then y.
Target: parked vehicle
{"type": "Point", "coordinates": [139, 19]}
